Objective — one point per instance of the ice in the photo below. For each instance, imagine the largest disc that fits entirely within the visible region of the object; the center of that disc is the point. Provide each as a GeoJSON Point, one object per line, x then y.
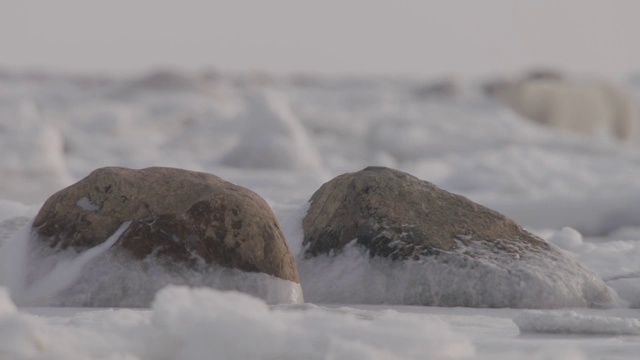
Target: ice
{"type": "Point", "coordinates": [87, 205]}
{"type": "Point", "coordinates": [10, 209]}
{"type": "Point", "coordinates": [304, 335]}
{"type": "Point", "coordinates": [186, 324]}
{"type": "Point", "coordinates": [38, 275]}
{"type": "Point", "coordinates": [7, 307]}
{"type": "Point", "coordinates": [615, 257]}
{"type": "Point", "coordinates": [452, 279]}
{"type": "Point", "coordinates": [567, 238]}
{"type": "Point", "coordinates": [192, 323]}
{"type": "Point", "coordinates": [32, 161]}
{"type": "Point", "coordinates": [574, 323]}
{"type": "Point", "coordinates": [282, 137]}
{"type": "Point", "coordinates": [65, 273]}
{"type": "Point", "coordinates": [10, 226]}
{"type": "Point", "coordinates": [273, 138]}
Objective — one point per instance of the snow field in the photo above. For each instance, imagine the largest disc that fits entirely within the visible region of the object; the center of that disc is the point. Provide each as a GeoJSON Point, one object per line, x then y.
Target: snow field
{"type": "Point", "coordinates": [54, 131]}
{"type": "Point", "coordinates": [574, 323]}
{"type": "Point", "coordinates": [186, 323]}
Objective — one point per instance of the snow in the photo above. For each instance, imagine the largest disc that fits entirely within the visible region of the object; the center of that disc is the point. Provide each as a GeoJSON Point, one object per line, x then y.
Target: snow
{"type": "Point", "coordinates": [185, 323]}
{"type": "Point", "coordinates": [311, 334]}
{"type": "Point", "coordinates": [65, 273]}
{"type": "Point", "coordinates": [85, 204]}
{"type": "Point", "coordinates": [574, 323]}
{"type": "Point", "coordinates": [38, 275]}
{"type": "Point", "coordinates": [485, 279]}
{"type": "Point", "coordinates": [189, 323]}
{"type": "Point", "coordinates": [273, 138]}
{"type": "Point", "coordinates": [282, 139]}
{"type": "Point", "coordinates": [33, 162]}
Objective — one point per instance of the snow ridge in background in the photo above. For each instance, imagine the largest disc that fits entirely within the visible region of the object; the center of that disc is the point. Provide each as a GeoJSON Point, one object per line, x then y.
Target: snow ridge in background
{"type": "Point", "coordinates": [38, 275]}
{"type": "Point", "coordinates": [32, 160]}
{"type": "Point", "coordinates": [273, 138]}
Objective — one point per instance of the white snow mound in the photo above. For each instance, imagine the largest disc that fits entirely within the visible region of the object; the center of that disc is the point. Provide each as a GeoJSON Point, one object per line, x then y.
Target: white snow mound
{"type": "Point", "coordinates": [192, 324]}
{"type": "Point", "coordinates": [32, 160]}
{"type": "Point", "coordinates": [103, 277]}
{"type": "Point", "coordinates": [273, 138]}
{"type": "Point", "coordinates": [487, 279]}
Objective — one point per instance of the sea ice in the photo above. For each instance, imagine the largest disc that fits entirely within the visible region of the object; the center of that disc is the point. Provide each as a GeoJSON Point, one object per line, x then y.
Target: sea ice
{"type": "Point", "coordinates": [573, 323]}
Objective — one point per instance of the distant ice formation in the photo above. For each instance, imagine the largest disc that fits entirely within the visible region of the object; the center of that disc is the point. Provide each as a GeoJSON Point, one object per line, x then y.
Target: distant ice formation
{"type": "Point", "coordinates": [32, 160]}
{"type": "Point", "coordinates": [273, 138]}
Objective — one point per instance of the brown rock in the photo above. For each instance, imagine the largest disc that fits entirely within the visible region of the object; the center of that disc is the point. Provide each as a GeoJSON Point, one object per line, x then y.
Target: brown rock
{"type": "Point", "coordinates": [182, 216]}
{"type": "Point", "coordinates": [396, 215]}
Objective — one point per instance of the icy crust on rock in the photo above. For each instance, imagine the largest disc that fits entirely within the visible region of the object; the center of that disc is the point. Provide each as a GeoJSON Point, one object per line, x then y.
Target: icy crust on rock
{"type": "Point", "coordinates": [38, 275]}
{"type": "Point", "coordinates": [477, 276]}
{"type": "Point", "coordinates": [192, 324]}
{"type": "Point", "coordinates": [573, 323]}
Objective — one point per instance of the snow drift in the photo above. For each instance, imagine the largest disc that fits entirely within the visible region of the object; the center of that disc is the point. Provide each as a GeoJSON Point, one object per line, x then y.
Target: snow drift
{"type": "Point", "coordinates": [184, 324]}
{"type": "Point", "coordinates": [32, 160]}
{"type": "Point", "coordinates": [574, 323]}
{"type": "Point", "coordinates": [273, 138]}
{"type": "Point", "coordinates": [38, 275]}
{"type": "Point", "coordinates": [452, 279]}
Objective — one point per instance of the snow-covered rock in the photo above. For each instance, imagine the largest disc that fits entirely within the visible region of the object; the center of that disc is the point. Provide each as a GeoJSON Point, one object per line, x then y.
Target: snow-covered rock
{"type": "Point", "coordinates": [383, 236]}
{"type": "Point", "coordinates": [179, 220]}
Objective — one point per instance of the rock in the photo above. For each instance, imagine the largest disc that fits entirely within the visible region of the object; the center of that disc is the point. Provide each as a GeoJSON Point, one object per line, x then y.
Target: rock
{"type": "Point", "coordinates": [185, 217]}
{"type": "Point", "coordinates": [544, 73]}
{"type": "Point", "coordinates": [167, 81]}
{"type": "Point", "coordinates": [420, 240]}
{"type": "Point", "coordinates": [446, 88]}
{"type": "Point", "coordinates": [394, 214]}
{"type": "Point", "coordinates": [158, 83]}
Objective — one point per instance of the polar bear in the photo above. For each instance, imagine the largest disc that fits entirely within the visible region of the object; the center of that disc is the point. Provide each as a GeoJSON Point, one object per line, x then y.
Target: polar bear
{"type": "Point", "coordinates": [584, 107]}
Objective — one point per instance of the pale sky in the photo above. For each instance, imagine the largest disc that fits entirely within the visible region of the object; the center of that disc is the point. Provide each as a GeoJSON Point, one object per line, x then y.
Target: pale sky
{"type": "Point", "coordinates": [416, 38]}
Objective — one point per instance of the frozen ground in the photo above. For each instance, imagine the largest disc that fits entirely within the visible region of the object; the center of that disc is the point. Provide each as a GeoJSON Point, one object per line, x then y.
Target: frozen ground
{"type": "Point", "coordinates": [284, 137]}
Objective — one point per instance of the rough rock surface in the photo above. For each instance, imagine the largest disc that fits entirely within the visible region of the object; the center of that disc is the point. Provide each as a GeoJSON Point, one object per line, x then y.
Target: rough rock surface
{"type": "Point", "coordinates": [186, 217]}
{"type": "Point", "coordinates": [399, 239]}
{"type": "Point", "coordinates": [394, 214]}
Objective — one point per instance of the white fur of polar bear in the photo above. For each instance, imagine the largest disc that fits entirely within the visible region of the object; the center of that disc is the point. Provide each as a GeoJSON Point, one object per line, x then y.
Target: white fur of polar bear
{"type": "Point", "coordinates": [584, 107]}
